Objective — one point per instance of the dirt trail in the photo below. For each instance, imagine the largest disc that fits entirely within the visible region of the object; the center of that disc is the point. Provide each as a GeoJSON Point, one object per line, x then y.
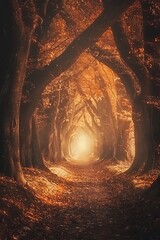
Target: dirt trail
{"type": "Point", "coordinates": [76, 203]}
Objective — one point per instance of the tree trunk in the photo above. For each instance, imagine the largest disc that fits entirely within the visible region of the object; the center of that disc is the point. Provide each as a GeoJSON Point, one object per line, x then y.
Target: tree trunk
{"type": "Point", "coordinates": [125, 74]}
{"type": "Point", "coordinates": [151, 29]}
{"type": "Point", "coordinates": [16, 47]}
{"type": "Point", "coordinates": [37, 159]}
{"type": "Point", "coordinates": [58, 120]}
{"type": "Point", "coordinates": [26, 139]}
{"type": "Point", "coordinates": [143, 131]}
{"type": "Point", "coordinates": [16, 36]}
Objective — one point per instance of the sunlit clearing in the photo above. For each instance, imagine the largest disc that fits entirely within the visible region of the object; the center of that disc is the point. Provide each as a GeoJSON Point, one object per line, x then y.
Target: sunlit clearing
{"type": "Point", "coordinates": [81, 147]}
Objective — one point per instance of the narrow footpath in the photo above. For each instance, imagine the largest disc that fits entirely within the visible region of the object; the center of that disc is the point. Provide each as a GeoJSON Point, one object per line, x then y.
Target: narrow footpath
{"type": "Point", "coordinates": [80, 203]}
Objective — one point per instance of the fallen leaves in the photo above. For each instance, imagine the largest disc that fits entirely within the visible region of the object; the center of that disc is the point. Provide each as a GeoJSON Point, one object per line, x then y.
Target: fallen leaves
{"type": "Point", "coordinates": [95, 203]}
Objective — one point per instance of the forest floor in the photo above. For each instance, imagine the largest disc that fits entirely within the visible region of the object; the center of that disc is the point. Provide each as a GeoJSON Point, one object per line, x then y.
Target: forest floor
{"type": "Point", "coordinates": [77, 203]}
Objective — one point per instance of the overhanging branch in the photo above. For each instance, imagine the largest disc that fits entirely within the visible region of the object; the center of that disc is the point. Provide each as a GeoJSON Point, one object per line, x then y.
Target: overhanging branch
{"type": "Point", "coordinates": [125, 74]}
{"type": "Point", "coordinates": [40, 78]}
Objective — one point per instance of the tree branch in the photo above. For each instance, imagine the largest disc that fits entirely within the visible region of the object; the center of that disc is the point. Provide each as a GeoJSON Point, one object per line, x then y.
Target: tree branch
{"type": "Point", "coordinates": [40, 78]}
{"type": "Point", "coordinates": [127, 76]}
{"type": "Point", "coordinates": [130, 58]}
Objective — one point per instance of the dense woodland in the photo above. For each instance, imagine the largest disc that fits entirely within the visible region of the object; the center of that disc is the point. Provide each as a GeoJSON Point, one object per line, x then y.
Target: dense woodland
{"type": "Point", "coordinates": [71, 68]}
{"type": "Point", "coordinates": [63, 64]}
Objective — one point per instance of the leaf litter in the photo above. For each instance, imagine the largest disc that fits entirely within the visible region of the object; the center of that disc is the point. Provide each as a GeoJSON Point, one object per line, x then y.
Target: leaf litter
{"type": "Point", "coordinates": [97, 202]}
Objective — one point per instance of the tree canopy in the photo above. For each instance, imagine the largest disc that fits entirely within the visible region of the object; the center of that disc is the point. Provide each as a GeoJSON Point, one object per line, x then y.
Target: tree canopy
{"type": "Point", "coordinates": [73, 66]}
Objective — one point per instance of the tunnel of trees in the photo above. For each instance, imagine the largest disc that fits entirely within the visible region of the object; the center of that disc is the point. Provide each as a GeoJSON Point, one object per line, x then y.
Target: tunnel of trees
{"type": "Point", "coordinates": [79, 82]}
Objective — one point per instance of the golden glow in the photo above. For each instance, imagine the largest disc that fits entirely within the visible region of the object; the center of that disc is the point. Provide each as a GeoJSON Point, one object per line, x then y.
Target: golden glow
{"type": "Point", "coordinates": [81, 147]}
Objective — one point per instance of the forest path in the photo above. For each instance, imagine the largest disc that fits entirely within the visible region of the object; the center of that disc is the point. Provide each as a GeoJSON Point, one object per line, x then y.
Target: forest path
{"type": "Point", "coordinates": [88, 203]}
{"type": "Point", "coordinates": [90, 186]}
{"type": "Point", "coordinates": [79, 203]}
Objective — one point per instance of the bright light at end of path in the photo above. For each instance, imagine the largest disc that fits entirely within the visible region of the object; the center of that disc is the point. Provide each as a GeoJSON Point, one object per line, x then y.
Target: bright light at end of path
{"type": "Point", "coordinates": [81, 146]}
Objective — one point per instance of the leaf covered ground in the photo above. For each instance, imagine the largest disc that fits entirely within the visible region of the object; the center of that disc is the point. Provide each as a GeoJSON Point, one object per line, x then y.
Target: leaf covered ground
{"type": "Point", "coordinates": [79, 203]}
